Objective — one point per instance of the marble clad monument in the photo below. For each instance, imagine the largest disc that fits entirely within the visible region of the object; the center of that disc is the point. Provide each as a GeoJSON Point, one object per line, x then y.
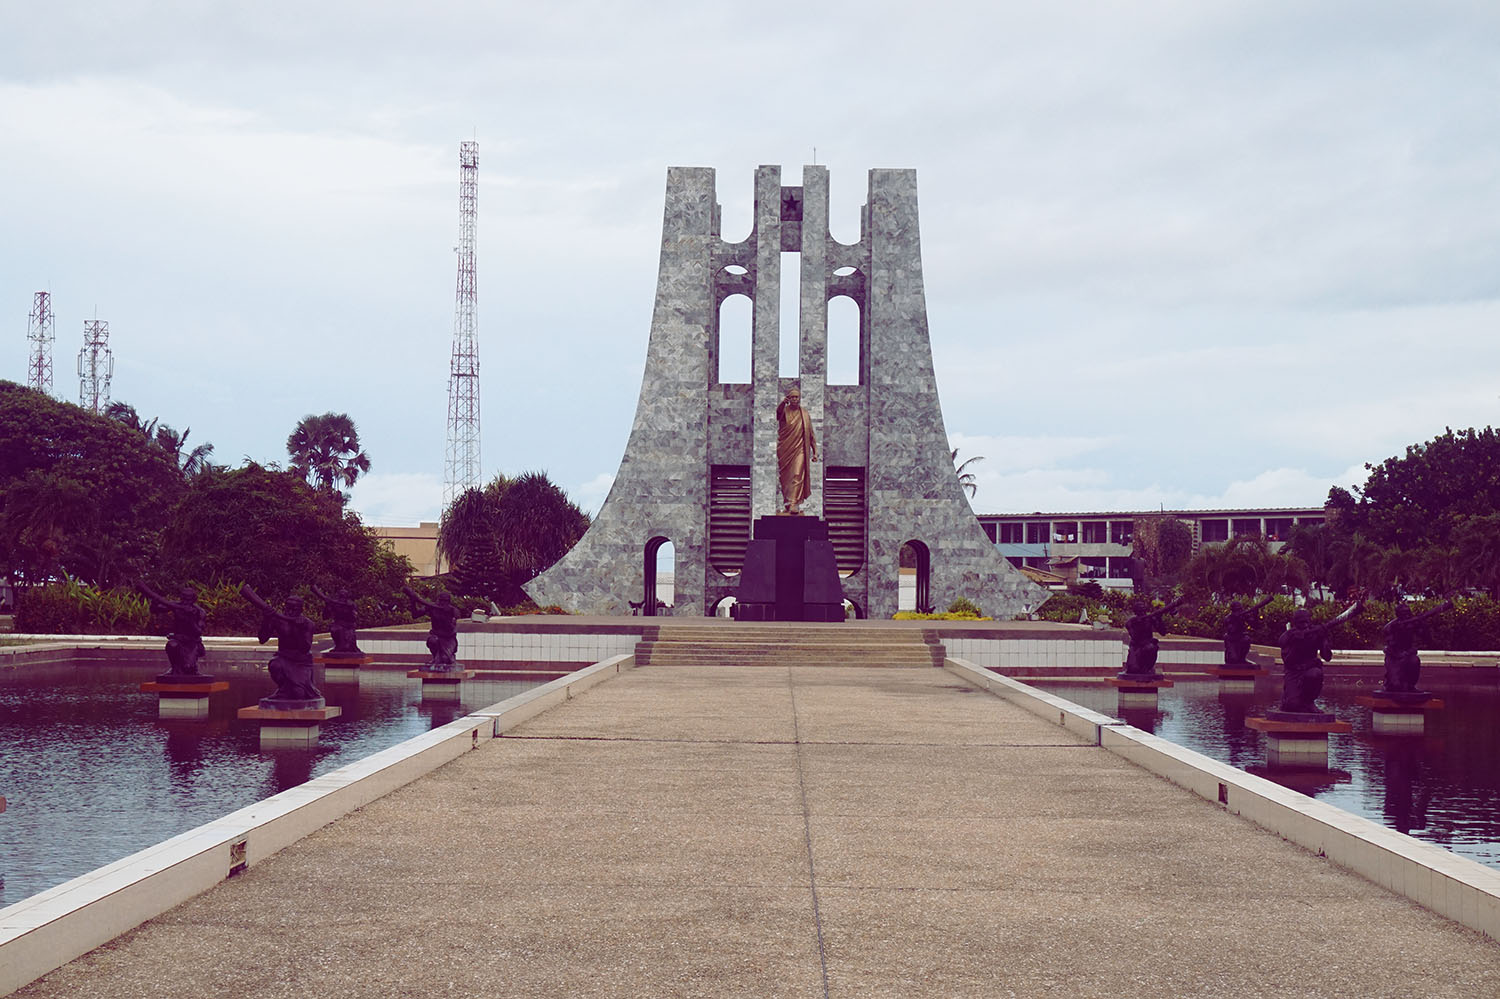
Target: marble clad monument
{"type": "Point", "coordinates": [701, 462]}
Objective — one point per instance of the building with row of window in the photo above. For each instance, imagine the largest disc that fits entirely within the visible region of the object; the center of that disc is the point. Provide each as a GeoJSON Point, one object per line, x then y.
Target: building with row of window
{"type": "Point", "coordinates": [1098, 546]}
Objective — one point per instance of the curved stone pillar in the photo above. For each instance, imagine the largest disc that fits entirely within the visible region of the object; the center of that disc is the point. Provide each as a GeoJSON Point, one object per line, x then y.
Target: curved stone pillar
{"type": "Point", "coordinates": [885, 433]}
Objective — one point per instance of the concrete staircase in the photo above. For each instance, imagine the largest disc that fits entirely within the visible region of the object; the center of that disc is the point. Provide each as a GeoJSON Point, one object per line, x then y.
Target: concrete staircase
{"type": "Point", "coordinates": [783, 644]}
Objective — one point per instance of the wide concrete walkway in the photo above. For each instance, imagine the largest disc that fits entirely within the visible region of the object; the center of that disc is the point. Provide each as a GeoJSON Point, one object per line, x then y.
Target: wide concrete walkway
{"type": "Point", "coordinates": [809, 832]}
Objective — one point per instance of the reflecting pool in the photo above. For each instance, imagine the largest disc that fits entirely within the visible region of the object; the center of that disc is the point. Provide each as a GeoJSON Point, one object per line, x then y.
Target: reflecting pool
{"type": "Point", "coordinates": [91, 775]}
{"type": "Point", "coordinates": [1443, 787]}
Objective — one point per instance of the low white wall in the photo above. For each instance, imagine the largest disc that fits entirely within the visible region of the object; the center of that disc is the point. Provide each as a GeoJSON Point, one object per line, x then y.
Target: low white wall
{"type": "Point", "coordinates": [1461, 889]}
{"type": "Point", "coordinates": [50, 928]}
{"type": "Point", "coordinates": [1009, 653]}
{"type": "Point", "coordinates": [498, 646]}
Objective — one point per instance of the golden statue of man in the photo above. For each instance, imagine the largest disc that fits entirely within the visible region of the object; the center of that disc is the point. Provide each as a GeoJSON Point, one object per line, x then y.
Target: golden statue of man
{"type": "Point", "coordinates": [796, 450]}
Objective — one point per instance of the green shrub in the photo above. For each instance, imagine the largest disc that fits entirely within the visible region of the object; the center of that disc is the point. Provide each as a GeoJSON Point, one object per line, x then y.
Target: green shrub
{"type": "Point", "coordinates": [965, 606]}
{"type": "Point", "coordinates": [1066, 607]}
{"type": "Point", "coordinates": [54, 609]}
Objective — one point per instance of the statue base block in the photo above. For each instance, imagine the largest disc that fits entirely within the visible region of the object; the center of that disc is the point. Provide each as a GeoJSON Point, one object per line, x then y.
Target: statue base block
{"type": "Point", "coordinates": [1298, 739]}
{"type": "Point", "coordinates": [1399, 712]}
{"type": "Point", "coordinates": [341, 668]}
{"type": "Point", "coordinates": [789, 573]}
{"type": "Point", "coordinates": [1237, 671]}
{"type": "Point", "coordinates": [290, 726]}
{"type": "Point", "coordinates": [176, 699]}
{"type": "Point", "coordinates": [1237, 678]}
{"type": "Point", "coordinates": [441, 685]}
{"type": "Point", "coordinates": [441, 676]}
{"type": "Point", "coordinates": [1139, 690]}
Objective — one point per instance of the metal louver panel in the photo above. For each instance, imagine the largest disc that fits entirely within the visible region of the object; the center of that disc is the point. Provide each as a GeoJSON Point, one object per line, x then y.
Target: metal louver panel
{"type": "Point", "coordinates": [728, 517]}
{"type": "Point", "coordinates": [844, 509]}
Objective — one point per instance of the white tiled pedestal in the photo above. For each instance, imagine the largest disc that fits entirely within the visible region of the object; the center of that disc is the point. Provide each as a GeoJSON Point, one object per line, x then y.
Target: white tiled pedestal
{"type": "Point", "coordinates": [289, 727]}
{"type": "Point", "coordinates": [183, 700]}
{"type": "Point", "coordinates": [1302, 744]}
{"type": "Point", "coordinates": [1397, 715]}
{"type": "Point", "coordinates": [342, 669]}
{"type": "Point", "coordinates": [441, 685]}
{"type": "Point", "coordinates": [1238, 678]}
{"type": "Point", "coordinates": [1137, 692]}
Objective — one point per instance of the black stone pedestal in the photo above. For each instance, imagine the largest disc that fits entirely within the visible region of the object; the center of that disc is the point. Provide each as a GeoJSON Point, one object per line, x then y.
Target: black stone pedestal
{"type": "Point", "coordinates": [789, 572]}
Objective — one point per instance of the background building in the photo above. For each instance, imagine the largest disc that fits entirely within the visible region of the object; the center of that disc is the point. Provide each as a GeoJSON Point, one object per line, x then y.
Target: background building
{"type": "Point", "coordinates": [1098, 546]}
{"type": "Point", "coordinates": [417, 543]}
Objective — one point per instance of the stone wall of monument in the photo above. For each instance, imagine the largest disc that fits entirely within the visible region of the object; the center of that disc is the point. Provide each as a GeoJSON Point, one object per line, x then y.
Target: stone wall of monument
{"type": "Point", "coordinates": [890, 425]}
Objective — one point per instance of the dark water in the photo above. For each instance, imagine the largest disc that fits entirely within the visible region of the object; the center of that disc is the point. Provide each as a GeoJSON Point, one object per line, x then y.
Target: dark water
{"type": "Point", "coordinates": [1443, 787]}
{"type": "Point", "coordinates": [91, 775]}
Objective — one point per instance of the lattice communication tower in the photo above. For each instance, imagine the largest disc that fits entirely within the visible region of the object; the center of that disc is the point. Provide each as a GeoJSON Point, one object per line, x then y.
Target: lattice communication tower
{"type": "Point", "coordinates": [461, 469]}
{"type": "Point", "coordinates": [40, 332]}
{"type": "Point", "coordinates": [96, 365]}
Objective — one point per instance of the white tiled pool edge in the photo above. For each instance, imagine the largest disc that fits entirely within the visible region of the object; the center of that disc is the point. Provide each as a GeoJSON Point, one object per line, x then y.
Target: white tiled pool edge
{"type": "Point", "coordinates": [49, 929]}
{"type": "Point", "coordinates": [1461, 889]}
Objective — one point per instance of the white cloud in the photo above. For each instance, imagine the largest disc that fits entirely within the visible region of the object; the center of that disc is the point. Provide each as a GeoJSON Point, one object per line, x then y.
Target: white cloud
{"type": "Point", "coordinates": [397, 499]}
{"type": "Point", "coordinates": [1174, 252]}
{"type": "Point", "coordinates": [591, 495]}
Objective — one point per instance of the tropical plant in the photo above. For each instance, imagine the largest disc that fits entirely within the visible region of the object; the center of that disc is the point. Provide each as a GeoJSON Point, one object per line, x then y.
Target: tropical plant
{"type": "Point", "coordinates": [325, 451]}
{"type": "Point", "coordinates": [192, 462]}
{"type": "Point", "coordinates": [124, 412]}
{"type": "Point", "coordinates": [502, 536]}
{"type": "Point", "coordinates": [1162, 546]}
{"type": "Point", "coordinates": [965, 477]}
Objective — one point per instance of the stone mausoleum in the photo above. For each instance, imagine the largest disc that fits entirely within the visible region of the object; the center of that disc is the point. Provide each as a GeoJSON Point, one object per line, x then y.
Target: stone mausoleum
{"type": "Point", "coordinates": [701, 466]}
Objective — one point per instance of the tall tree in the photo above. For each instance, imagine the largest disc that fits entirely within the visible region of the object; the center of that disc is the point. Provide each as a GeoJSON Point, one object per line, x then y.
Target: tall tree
{"type": "Point", "coordinates": [1420, 497]}
{"type": "Point", "coordinates": [272, 530]}
{"type": "Point", "coordinates": [325, 451]}
{"type": "Point", "coordinates": [192, 462]}
{"type": "Point", "coordinates": [502, 536]}
{"type": "Point", "coordinates": [80, 493]}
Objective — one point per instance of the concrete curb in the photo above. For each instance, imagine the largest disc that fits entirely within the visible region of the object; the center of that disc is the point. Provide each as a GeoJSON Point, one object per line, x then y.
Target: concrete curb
{"type": "Point", "coordinates": [1456, 887]}
{"type": "Point", "coordinates": [49, 929]}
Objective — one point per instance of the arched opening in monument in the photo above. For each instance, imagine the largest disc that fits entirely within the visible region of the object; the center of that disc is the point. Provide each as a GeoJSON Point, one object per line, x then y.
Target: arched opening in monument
{"type": "Point", "coordinates": [915, 578]}
{"type": "Point", "coordinates": [851, 609]}
{"type": "Point", "coordinates": [734, 340]}
{"type": "Point", "coordinates": [791, 314]}
{"type": "Point", "coordinates": [843, 341]}
{"type": "Point", "coordinates": [660, 577]}
{"type": "Point", "coordinates": [723, 607]}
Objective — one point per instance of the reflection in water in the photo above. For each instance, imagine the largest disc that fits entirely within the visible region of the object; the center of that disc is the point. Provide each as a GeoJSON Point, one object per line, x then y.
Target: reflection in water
{"type": "Point", "coordinates": [92, 775]}
{"type": "Point", "coordinates": [1407, 791]}
{"type": "Point", "coordinates": [1443, 787]}
{"type": "Point", "coordinates": [1145, 719]}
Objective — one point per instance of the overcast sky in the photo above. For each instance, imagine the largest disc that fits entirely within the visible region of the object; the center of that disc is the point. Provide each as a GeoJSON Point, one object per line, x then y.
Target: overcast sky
{"type": "Point", "coordinates": [1177, 253]}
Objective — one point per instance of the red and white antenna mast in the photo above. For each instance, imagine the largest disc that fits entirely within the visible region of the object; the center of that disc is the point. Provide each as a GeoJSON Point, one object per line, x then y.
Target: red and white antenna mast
{"type": "Point", "coordinates": [96, 365]}
{"type": "Point", "coordinates": [40, 332]}
{"type": "Point", "coordinates": [461, 470]}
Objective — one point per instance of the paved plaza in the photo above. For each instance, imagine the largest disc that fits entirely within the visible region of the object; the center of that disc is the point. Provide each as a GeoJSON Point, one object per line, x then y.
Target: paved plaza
{"type": "Point", "coordinates": [769, 831]}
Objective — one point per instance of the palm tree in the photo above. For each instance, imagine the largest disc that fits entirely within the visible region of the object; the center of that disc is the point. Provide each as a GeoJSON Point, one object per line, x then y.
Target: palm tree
{"type": "Point", "coordinates": [966, 477]}
{"type": "Point", "coordinates": [191, 462]}
{"type": "Point", "coordinates": [470, 518]}
{"type": "Point", "coordinates": [325, 451]}
{"type": "Point", "coordinates": [124, 412]}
